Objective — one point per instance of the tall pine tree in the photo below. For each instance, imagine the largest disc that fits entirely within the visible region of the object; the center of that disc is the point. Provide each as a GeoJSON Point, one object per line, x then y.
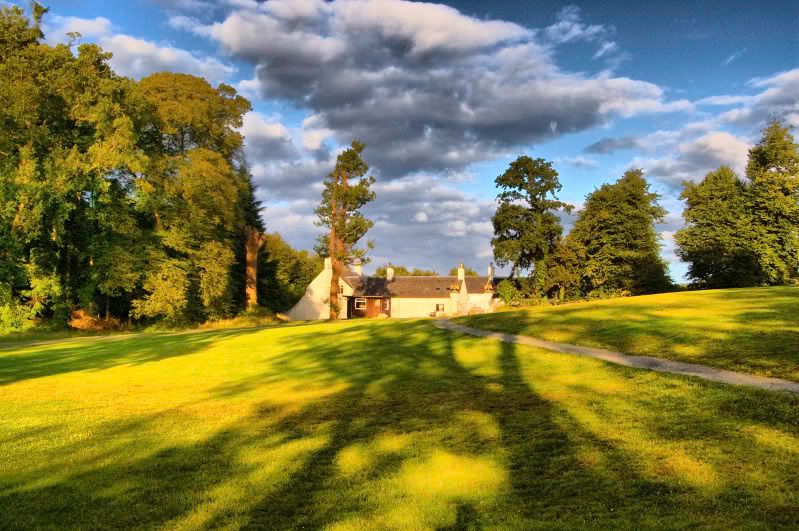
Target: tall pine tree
{"type": "Point", "coordinates": [346, 191]}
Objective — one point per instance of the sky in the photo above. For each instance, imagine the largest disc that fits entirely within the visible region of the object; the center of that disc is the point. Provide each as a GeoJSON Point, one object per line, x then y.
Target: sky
{"type": "Point", "coordinates": [446, 95]}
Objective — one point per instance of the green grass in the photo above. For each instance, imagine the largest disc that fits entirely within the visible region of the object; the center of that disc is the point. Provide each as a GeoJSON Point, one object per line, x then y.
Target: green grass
{"type": "Point", "coordinates": [378, 424]}
{"type": "Point", "coordinates": [748, 330]}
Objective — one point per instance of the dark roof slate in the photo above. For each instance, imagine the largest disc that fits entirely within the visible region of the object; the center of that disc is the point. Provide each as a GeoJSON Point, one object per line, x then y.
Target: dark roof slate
{"type": "Point", "coordinates": [411, 286]}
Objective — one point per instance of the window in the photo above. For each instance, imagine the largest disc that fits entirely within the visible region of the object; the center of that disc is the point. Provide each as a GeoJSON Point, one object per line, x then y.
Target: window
{"type": "Point", "coordinates": [439, 307]}
{"type": "Point", "coordinates": [360, 304]}
{"type": "Point", "coordinates": [386, 304]}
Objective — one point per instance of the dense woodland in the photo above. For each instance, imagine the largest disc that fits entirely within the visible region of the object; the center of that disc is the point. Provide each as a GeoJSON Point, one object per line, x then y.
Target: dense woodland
{"type": "Point", "coordinates": [126, 200]}
{"type": "Point", "coordinates": [131, 201]}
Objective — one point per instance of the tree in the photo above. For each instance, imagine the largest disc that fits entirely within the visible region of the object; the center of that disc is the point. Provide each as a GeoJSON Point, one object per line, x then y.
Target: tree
{"type": "Point", "coordinates": [717, 241]}
{"type": "Point", "coordinates": [284, 273]}
{"type": "Point", "coordinates": [615, 240]}
{"type": "Point", "coordinates": [773, 171]}
{"type": "Point", "coordinates": [195, 187]}
{"type": "Point", "coordinates": [346, 191]}
{"type": "Point", "coordinates": [400, 271]}
{"type": "Point", "coordinates": [255, 239]}
{"type": "Point", "coordinates": [526, 228]}
{"type": "Point", "coordinates": [468, 271]}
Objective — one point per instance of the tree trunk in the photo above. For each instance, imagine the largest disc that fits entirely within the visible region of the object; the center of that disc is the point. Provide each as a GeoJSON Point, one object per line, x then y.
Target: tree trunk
{"type": "Point", "coordinates": [254, 241]}
{"type": "Point", "coordinates": [334, 264]}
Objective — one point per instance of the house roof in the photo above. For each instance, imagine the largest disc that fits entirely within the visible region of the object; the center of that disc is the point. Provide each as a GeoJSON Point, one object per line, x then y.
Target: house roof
{"type": "Point", "coordinates": [412, 286]}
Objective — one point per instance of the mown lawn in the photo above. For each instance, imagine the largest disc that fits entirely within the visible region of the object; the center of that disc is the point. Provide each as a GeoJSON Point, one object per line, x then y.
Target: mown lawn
{"type": "Point", "coordinates": [378, 424]}
{"type": "Point", "coordinates": [749, 330]}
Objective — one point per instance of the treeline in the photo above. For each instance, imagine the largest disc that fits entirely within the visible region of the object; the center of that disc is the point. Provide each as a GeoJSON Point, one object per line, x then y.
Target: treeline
{"type": "Point", "coordinates": [738, 232]}
{"type": "Point", "coordinates": [127, 200]}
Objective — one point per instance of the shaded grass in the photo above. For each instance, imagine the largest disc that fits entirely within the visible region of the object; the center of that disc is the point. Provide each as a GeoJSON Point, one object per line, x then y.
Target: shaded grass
{"type": "Point", "coordinates": [749, 330]}
{"type": "Point", "coordinates": [379, 424]}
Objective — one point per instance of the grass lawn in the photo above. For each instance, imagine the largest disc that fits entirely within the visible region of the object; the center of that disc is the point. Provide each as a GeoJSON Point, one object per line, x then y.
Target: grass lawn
{"type": "Point", "coordinates": [749, 330]}
{"type": "Point", "coordinates": [379, 424]}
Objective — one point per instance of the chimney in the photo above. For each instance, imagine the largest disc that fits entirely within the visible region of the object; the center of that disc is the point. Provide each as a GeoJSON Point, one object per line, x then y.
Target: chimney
{"type": "Point", "coordinates": [357, 268]}
{"type": "Point", "coordinates": [490, 272]}
{"type": "Point", "coordinates": [328, 264]}
{"type": "Point", "coordinates": [461, 272]}
{"type": "Point", "coordinates": [389, 273]}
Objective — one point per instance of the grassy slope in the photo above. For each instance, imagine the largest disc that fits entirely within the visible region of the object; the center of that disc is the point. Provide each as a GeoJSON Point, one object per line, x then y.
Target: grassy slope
{"type": "Point", "coordinates": [378, 423]}
{"type": "Point", "coordinates": [749, 330]}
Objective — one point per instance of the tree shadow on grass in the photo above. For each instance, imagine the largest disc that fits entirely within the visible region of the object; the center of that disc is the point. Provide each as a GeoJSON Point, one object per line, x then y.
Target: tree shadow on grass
{"type": "Point", "coordinates": [410, 434]}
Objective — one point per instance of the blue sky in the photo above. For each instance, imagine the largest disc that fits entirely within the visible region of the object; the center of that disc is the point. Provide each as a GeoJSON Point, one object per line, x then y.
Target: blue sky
{"type": "Point", "coordinates": [445, 95]}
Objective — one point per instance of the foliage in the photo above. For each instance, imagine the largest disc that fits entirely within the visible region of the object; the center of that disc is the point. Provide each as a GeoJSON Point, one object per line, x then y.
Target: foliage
{"type": "Point", "coordinates": [614, 244]}
{"type": "Point", "coordinates": [717, 240]}
{"type": "Point", "coordinates": [284, 273]}
{"type": "Point", "coordinates": [110, 189]}
{"type": "Point", "coordinates": [526, 228]}
{"type": "Point", "coordinates": [402, 271]}
{"type": "Point", "coordinates": [508, 292]}
{"type": "Point", "coordinates": [468, 271]}
{"type": "Point", "coordinates": [345, 192]}
{"type": "Point", "coordinates": [746, 233]}
{"type": "Point", "coordinates": [773, 171]}
{"type": "Point", "coordinates": [166, 286]}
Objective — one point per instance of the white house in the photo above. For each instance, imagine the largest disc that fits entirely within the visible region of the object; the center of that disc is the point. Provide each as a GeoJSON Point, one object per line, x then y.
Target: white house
{"type": "Point", "coordinates": [397, 296]}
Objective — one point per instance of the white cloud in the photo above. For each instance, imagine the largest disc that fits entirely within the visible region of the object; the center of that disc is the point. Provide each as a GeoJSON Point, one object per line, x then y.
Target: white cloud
{"type": "Point", "coordinates": [427, 87]}
{"type": "Point", "coordinates": [266, 140]}
{"type": "Point", "coordinates": [695, 158]}
{"type": "Point", "coordinates": [138, 58]}
{"type": "Point", "coordinates": [57, 27]}
{"type": "Point", "coordinates": [570, 27]}
{"type": "Point", "coordinates": [424, 26]}
{"type": "Point", "coordinates": [579, 162]}
{"type": "Point", "coordinates": [606, 48]}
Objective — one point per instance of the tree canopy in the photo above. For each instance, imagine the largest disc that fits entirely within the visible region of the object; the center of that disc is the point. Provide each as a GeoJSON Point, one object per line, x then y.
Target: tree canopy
{"type": "Point", "coordinates": [746, 233]}
{"type": "Point", "coordinates": [121, 198]}
{"type": "Point", "coordinates": [400, 270]}
{"type": "Point", "coordinates": [614, 246]}
{"type": "Point", "coordinates": [526, 227]}
{"type": "Point", "coordinates": [346, 191]}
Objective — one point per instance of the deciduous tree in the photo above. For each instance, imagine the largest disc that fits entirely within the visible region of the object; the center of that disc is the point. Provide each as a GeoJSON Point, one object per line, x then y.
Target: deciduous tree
{"type": "Point", "coordinates": [526, 226]}
{"type": "Point", "coordinates": [718, 239]}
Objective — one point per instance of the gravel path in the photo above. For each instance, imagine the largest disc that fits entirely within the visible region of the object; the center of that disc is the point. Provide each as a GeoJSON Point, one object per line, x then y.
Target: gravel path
{"type": "Point", "coordinates": [640, 362]}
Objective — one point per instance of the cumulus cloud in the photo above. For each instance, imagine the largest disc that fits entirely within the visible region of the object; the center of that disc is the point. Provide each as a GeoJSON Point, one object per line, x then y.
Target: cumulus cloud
{"type": "Point", "coordinates": [777, 95]}
{"type": "Point", "coordinates": [57, 28]}
{"type": "Point", "coordinates": [694, 159]}
{"type": "Point", "coordinates": [136, 57]}
{"type": "Point", "coordinates": [429, 88]}
{"type": "Point", "coordinates": [266, 140]}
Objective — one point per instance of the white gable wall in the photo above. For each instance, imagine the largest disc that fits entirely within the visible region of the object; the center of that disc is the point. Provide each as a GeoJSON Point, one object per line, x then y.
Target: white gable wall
{"type": "Point", "coordinates": [315, 303]}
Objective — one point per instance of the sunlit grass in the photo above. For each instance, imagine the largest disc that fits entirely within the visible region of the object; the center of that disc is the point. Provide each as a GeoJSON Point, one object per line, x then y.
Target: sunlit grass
{"type": "Point", "coordinates": [378, 424]}
{"type": "Point", "coordinates": [748, 330]}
